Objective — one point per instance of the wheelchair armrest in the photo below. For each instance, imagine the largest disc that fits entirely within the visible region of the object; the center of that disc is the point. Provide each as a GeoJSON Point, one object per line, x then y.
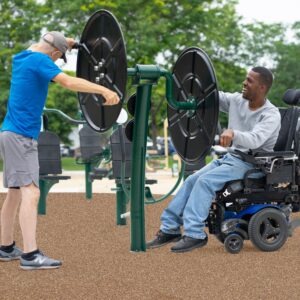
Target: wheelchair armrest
{"type": "Point", "coordinates": [266, 160]}
{"type": "Point", "coordinates": [260, 157]}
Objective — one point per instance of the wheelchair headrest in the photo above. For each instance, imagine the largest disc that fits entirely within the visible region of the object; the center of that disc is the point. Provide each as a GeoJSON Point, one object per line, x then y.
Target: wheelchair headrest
{"type": "Point", "coordinates": [292, 97]}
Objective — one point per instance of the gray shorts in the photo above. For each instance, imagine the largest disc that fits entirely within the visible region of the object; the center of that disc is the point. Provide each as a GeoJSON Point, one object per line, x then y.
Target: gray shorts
{"type": "Point", "coordinates": [20, 160]}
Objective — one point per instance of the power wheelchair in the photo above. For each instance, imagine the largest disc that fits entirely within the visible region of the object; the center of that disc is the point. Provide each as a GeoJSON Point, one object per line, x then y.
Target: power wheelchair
{"type": "Point", "coordinates": [260, 209]}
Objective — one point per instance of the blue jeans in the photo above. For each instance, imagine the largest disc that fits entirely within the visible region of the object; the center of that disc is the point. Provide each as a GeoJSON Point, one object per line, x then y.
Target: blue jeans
{"type": "Point", "coordinates": [190, 207]}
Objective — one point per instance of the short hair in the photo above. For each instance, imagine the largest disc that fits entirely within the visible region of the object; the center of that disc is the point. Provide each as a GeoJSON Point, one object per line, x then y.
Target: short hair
{"type": "Point", "coordinates": [265, 75]}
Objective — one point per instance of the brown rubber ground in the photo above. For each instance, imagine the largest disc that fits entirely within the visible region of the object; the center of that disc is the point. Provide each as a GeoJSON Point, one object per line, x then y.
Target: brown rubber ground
{"type": "Point", "coordinates": [98, 264]}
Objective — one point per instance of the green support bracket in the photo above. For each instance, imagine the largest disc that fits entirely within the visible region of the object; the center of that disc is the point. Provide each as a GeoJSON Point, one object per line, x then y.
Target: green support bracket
{"type": "Point", "coordinates": [45, 186]}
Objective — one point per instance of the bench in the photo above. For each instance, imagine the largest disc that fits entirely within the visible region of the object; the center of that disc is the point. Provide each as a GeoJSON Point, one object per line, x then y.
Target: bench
{"type": "Point", "coordinates": [121, 151]}
{"type": "Point", "coordinates": [50, 166]}
{"type": "Point", "coordinates": [93, 149]}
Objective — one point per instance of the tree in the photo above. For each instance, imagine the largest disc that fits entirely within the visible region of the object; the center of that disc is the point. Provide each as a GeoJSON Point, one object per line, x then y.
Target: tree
{"type": "Point", "coordinates": [287, 74]}
{"type": "Point", "coordinates": [65, 101]}
{"type": "Point", "coordinates": [20, 23]}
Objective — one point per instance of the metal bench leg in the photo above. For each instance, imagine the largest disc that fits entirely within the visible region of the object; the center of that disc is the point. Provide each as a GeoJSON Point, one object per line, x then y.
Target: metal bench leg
{"type": "Point", "coordinates": [45, 186]}
{"type": "Point", "coordinates": [121, 204]}
{"type": "Point", "coordinates": [88, 182]}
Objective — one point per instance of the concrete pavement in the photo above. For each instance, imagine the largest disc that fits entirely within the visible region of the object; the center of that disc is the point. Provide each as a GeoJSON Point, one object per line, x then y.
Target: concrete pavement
{"type": "Point", "coordinates": [165, 182]}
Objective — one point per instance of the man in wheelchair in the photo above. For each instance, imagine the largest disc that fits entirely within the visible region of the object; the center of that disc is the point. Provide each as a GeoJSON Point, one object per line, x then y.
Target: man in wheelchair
{"type": "Point", "coordinates": [254, 125]}
{"type": "Point", "coordinates": [259, 208]}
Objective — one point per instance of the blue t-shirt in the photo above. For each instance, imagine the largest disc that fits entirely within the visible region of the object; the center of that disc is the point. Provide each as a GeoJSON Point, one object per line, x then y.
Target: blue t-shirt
{"type": "Point", "coordinates": [31, 74]}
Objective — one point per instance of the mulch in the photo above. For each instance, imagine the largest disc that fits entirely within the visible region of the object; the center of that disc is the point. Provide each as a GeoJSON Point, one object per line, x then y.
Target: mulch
{"type": "Point", "coordinates": [98, 263]}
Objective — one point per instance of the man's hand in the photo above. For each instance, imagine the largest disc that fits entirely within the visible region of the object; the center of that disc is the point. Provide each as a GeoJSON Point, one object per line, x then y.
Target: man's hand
{"type": "Point", "coordinates": [111, 98]}
{"type": "Point", "coordinates": [226, 138]}
{"type": "Point", "coordinates": [71, 43]}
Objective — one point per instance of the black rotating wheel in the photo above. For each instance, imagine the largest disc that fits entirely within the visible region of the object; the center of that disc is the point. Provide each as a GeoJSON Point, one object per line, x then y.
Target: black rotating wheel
{"type": "Point", "coordinates": [234, 243]}
{"type": "Point", "coordinates": [268, 229]}
{"type": "Point", "coordinates": [193, 131]}
{"type": "Point", "coordinates": [102, 60]}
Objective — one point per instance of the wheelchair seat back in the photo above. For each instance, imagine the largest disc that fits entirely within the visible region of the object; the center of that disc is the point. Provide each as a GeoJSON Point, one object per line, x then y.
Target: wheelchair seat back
{"type": "Point", "coordinates": [289, 120]}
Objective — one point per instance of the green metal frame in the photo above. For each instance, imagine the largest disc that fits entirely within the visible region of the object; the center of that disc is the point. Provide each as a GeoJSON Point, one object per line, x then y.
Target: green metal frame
{"type": "Point", "coordinates": [45, 186]}
{"type": "Point", "coordinates": [144, 77]}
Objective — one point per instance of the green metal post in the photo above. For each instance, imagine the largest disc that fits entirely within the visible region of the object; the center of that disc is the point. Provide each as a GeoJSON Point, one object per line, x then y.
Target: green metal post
{"type": "Point", "coordinates": [88, 183]}
{"type": "Point", "coordinates": [121, 204]}
{"type": "Point", "coordinates": [45, 186]}
{"type": "Point", "coordinates": [142, 108]}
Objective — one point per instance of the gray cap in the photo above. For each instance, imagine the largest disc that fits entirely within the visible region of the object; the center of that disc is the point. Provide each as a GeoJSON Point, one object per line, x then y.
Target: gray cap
{"type": "Point", "coordinates": [59, 42]}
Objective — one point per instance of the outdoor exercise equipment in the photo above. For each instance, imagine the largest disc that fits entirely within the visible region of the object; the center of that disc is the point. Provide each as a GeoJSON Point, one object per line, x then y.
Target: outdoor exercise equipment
{"type": "Point", "coordinates": [50, 164]}
{"type": "Point", "coordinates": [191, 94]}
{"type": "Point", "coordinates": [102, 59]}
{"type": "Point", "coordinates": [94, 149]}
{"type": "Point", "coordinates": [193, 131]}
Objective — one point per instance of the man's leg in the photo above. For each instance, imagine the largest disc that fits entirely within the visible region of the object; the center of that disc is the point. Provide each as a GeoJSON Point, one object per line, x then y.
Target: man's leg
{"type": "Point", "coordinates": [8, 216]}
{"type": "Point", "coordinates": [204, 191]}
{"type": "Point", "coordinates": [32, 259]}
{"type": "Point", "coordinates": [171, 218]}
{"type": "Point", "coordinates": [28, 216]}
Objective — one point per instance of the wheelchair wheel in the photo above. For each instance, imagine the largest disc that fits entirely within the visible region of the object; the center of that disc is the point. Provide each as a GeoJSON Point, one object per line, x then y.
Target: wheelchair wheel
{"type": "Point", "coordinates": [233, 243]}
{"type": "Point", "coordinates": [268, 229]}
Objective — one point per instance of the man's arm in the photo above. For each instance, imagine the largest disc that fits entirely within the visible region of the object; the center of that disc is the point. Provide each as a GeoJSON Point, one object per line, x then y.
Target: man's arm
{"type": "Point", "coordinates": [81, 85]}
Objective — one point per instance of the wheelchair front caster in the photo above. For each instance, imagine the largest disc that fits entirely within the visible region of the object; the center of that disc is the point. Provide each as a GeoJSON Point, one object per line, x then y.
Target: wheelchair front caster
{"type": "Point", "coordinates": [268, 229]}
{"type": "Point", "coordinates": [233, 243]}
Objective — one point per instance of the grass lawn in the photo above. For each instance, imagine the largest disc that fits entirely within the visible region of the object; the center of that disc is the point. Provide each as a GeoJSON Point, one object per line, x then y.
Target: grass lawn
{"type": "Point", "coordinates": [69, 164]}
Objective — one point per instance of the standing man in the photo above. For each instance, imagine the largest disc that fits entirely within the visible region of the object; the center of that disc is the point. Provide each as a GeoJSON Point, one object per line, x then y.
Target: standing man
{"type": "Point", "coordinates": [254, 124]}
{"type": "Point", "coordinates": [32, 71]}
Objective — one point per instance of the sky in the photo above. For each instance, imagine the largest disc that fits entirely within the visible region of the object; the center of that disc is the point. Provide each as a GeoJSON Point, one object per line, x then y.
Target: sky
{"type": "Point", "coordinates": [268, 11]}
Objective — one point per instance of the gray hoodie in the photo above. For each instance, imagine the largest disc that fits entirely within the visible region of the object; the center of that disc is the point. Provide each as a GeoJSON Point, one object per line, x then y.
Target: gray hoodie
{"type": "Point", "coordinates": [256, 130]}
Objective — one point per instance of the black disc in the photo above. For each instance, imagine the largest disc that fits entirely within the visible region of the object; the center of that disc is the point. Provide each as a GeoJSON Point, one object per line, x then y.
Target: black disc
{"type": "Point", "coordinates": [193, 132]}
{"type": "Point", "coordinates": [131, 104]}
{"type": "Point", "coordinates": [129, 130]}
{"type": "Point", "coordinates": [102, 60]}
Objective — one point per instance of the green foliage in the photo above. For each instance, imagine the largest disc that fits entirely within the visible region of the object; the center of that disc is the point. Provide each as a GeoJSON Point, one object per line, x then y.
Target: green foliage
{"type": "Point", "coordinates": [287, 75]}
{"type": "Point", "coordinates": [66, 101]}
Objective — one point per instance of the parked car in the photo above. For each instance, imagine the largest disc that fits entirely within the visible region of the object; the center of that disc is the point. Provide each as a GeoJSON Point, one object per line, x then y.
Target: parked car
{"type": "Point", "coordinates": [66, 150]}
{"type": "Point", "coordinates": [150, 145]}
{"type": "Point", "coordinates": [161, 141]}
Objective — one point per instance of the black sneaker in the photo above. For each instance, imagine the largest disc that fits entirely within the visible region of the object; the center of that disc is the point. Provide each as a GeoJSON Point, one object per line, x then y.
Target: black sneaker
{"type": "Point", "coordinates": [12, 255]}
{"type": "Point", "coordinates": [162, 239]}
{"type": "Point", "coordinates": [39, 261]}
{"type": "Point", "coordinates": [187, 244]}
